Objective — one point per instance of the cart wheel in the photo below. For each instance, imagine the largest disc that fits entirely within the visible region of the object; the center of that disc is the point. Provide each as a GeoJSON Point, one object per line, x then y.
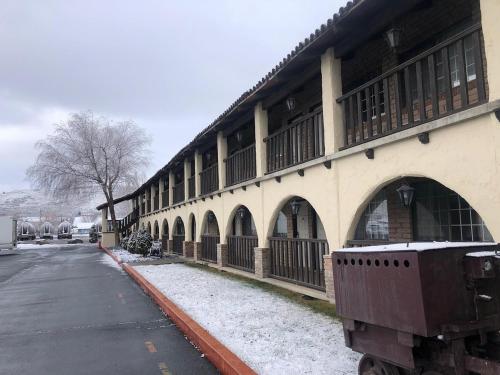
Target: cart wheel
{"type": "Point", "coordinates": [369, 365]}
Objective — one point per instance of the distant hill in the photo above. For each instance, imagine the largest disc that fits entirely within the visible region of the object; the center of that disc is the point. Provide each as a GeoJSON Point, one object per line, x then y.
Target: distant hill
{"type": "Point", "coordinates": [33, 203]}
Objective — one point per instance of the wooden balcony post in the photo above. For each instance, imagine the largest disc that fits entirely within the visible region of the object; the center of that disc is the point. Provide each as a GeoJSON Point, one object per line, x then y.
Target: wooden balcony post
{"type": "Point", "coordinates": [331, 81]}
{"type": "Point", "coordinates": [490, 9]}
{"type": "Point", "coordinates": [261, 132]}
{"type": "Point", "coordinates": [221, 156]}
{"type": "Point", "coordinates": [198, 165]}
{"type": "Point", "coordinates": [171, 188]}
{"type": "Point", "coordinates": [187, 174]}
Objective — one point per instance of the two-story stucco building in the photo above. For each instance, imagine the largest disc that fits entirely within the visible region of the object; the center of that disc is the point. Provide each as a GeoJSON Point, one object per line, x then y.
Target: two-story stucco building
{"type": "Point", "coordinates": [381, 126]}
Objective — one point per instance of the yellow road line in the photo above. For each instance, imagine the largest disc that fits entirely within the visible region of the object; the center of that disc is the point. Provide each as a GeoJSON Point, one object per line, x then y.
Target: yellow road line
{"type": "Point", "coordinates": [164, 369]}
{"type": "Point", "coordinates": [150, 346]}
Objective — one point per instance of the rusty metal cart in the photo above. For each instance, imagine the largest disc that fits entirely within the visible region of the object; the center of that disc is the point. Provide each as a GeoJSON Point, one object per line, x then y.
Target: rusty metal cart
{"type": "Point", "coordinates": [421, 308]}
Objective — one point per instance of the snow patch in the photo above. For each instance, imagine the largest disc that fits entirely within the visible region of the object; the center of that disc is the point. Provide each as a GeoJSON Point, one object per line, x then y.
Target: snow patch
{"type": "Point", "coordinates": [127, 257]}
{"type": "Point", "coordinates": [30, 246]}
{"type": "Point", "coordinates": [268, 332]}
{"type": "Point", "coordinates": [108, 261]}
{"type": "Point", "coordinates": [414, 246]}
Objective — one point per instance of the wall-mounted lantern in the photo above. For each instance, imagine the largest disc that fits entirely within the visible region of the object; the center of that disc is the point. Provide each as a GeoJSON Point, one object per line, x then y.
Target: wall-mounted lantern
{"type": "Point", "coordinates": [406, 194]}
{"type": "Point", "coordinates": [393, 37]}
{"type": "Point", "coordinates": [290, 103]}
{"type": "Point", "coordinates": [239, 136]}
{"type": "Point", "coordinates": [295, 204]}
{"type": "Point", "coordinates": [241, 212]}
{"type": "Point", "coordinates": [211, 216]}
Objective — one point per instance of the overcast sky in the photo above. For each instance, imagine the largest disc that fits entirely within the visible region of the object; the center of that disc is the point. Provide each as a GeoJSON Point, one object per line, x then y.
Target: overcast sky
{"type": "Point", "coordinates": [171, 66]}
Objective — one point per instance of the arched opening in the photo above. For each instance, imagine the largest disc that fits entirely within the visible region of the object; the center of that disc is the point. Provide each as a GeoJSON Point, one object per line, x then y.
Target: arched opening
{"type": "Point", "coordinates": [192, 227]}
{"type": "Point", "coordinates": [434, 213]}
{"type": "Point", "coordinates": [178, 236]}
{"type": "Point", "coordinates": [156, 235]}
{"type": "Point", "coordinates": [210, 238]}
{"type": "Point", "coordinates": [164, 235]}
{"type": "Point", "coordinates": [241, 240]}
{"type": "Point", "coordinates": [149, 227]}
{"type": "Point", "coordinates": [298, 244]}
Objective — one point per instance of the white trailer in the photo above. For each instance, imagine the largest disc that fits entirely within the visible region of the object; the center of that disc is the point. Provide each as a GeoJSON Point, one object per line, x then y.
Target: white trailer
{"type": "Point", "coordinates": [8, 232]}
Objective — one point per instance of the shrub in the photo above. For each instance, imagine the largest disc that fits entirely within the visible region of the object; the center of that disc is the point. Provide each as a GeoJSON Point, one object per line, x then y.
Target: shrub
{"type": "Point", "coordinates": [132, 243]}
{"type": "Point", "coordinates": [143, 242]}
{"type": "Point", "coordinates": [93, 236]}
{"type": "Point", "coordinates": [124, 242]}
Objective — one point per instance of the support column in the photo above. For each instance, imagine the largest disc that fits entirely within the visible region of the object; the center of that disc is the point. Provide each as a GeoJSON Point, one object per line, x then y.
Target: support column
{"type": "Point", "coordinates": [198, 165]}
{"type": "Point", "coordinates": [104, 219]}
{"type": "Point", "coordinates": [187, 249]}
{"type": "Point", "coordinates": [261, 132]}
{"type": "Point", "coordinates": [197, 251]}
{"type": "Point", "coordinates": [170, 188]}
{"type": "Point", "coordinates": [328, 266]}
{"type": "Point", "coordinates": [221, 255]}
{"type": "Point", "coordinates": [160, 198]}
{"type": "Point", "coordinates": [187, 174]}
{"type": "Point", "coordinates": [152, 198]}
{"type": "Point", "coordinates": [221, 156]}
{"type": "Point", "coordinates": [331, 81]}
{"type": "Point", "coordinates": [490, 9]}
{"type": "Point", "coordinates": [262, 262]}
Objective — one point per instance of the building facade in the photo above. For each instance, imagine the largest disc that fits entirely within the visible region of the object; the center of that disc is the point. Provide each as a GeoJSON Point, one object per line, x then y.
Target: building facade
{"type": "Point", "coordinates": [382, 126]}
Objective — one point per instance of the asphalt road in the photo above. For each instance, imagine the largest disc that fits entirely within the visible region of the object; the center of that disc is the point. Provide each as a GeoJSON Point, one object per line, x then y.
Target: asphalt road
{"type": "Point", "coordinates": [63, 311]}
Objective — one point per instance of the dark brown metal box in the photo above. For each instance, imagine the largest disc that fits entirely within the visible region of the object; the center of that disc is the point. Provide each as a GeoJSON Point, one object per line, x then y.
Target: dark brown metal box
{"type": "Point", "coordinates": [411, 288]}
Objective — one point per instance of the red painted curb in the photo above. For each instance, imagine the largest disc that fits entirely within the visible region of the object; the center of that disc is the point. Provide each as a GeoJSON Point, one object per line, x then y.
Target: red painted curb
{"type": "Point", "coordinates": [223, 359]}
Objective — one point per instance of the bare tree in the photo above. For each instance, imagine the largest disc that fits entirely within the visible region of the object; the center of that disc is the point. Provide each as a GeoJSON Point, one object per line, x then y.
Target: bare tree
{"type": "Point", "coordinates": [88, 154]}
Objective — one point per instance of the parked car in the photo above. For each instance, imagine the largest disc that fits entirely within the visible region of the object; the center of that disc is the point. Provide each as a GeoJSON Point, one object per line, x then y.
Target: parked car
{"type": "Point", "coordinates": [64, 230]}
{"type": "Point", "coordinates": [47, 231]}
{"type": "Point", "coordinates": [26, 231]}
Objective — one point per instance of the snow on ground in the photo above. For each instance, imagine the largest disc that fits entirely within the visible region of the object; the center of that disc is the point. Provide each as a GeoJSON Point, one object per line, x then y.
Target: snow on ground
{"type": "Point", "coordinates": [270, 333]}
{"type": "Point", "coordinates": [127, 257]}
{"type": "Point", "coordinates": [107, 260]}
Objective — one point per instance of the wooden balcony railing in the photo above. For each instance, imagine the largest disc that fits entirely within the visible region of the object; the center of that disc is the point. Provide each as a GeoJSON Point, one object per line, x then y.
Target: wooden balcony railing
{"type": "Point", "coordinates": [303, 140]}
{"type": "Point", "coordinates": [178, 192]}
{"type": "Point", "coordinates": [191, 187]}
{"type": "Point", "coordinates": [299, 260]}
{"type": "Point", "coordinates": [209, 247]}
{"type": "Point", "coordinates": [240, 252]}
{"type": "Point", "coordinates": [240, 166]}
{"type": "Point", "coordinates": [156, 202]}
{"type": "Point", "coordinates": [178, 239]}
{"type": "Point", "coordinates": [445, 79]}
{"type": "Point", "coordinates": [164, 198]}
{"type": "Point", "coordinates": [209, 179]}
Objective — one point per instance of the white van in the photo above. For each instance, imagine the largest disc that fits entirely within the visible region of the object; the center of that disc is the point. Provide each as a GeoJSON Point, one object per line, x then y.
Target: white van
{"type": "Point", "coordinates": [8, 232]}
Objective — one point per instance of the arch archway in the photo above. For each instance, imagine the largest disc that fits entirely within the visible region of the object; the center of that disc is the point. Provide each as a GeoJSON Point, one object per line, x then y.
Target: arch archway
{"type": "Point", "coordinates": [156, 232]}
{"type": "Point", "coordinates": [178, 236]}
{"type": "Point", "coordinates": [164, 235]}
{"type": "Point", "coordinates": [298, 244]}
{"type": "Point", "coordinates": [149, 227]}
{"type": "Point", "coordinates": [436, 213]}
{"type": "Point", "coordinates": [210, 237]}
{"type": "Point", "coordinates": [242, 240]}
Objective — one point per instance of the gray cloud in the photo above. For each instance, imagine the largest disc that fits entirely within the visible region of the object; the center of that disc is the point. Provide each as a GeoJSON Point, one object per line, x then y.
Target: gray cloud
{"type": "Point", "coordinates": [172, 66]}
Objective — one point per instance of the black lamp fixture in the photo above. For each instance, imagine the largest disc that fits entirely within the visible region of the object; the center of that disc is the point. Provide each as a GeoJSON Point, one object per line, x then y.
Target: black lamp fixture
{"type": "Point", "coordinates": [406, 194]}
{"type": "Point", "coordinates": [290, 103]}
{"type": "Point", "coordinates": [211, 216]}
{"type": "Point", "coordinates": [241, 212]}
{"type": "Point", "coordinates": [239, 136]}
{"type": "Point", "coordinates": [295, 204]}
{"type": "Point", "coordinates": [393, 37]}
